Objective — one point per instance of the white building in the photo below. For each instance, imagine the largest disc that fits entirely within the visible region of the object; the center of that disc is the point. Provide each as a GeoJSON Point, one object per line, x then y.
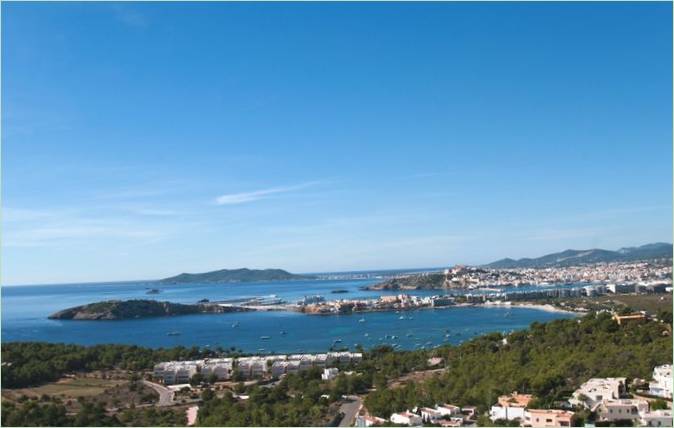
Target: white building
{"type": "Point", "coordinates": [448, 410]}
{"type": "Point", "coordinates": [510, 407]}
{"type": "Point", "coordinates": [329, 374]}
{"type": "Point", "coordinates": [172, 372]}
{"type": "Point", "coordinates": [221, 368]}
{"type": "Point", "coordinates": [176, 372]}
{"type": "Point", "coordinates": [613, 410]}
{"type": "Point", "coordinates": [656, 418]}
{"type": "Point", "coordinates": [279, 368]}
{"type": "Point", "coordinates": [595, 390]}
{"type": "Point", "coordinates": [429, 415]}
{"type": "Point", "coordinates": [662, 381]}
{"type": "Point", "coordinates": [406, 418]}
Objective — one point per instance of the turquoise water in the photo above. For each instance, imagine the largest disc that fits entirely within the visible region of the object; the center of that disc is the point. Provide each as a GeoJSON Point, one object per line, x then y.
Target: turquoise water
{"type": "Point", "coordinates": [25, 310]}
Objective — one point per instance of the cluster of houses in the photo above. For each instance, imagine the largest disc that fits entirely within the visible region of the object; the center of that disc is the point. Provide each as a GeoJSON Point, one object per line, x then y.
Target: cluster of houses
{"type": "Point", "coordinates": [446, 415]}
{"type": "Point", "coordinates": [274, 366]}
{"type": "Point", "coordinates": [605, 397]}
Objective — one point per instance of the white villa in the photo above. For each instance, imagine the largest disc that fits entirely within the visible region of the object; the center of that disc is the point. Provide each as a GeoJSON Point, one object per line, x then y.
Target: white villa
{"type": "Point", "coordinates": [594, 391]}
{"type": "Point", "coordinates": [662, 382]}
{"type": "Point", "coordinates": [406, 418]}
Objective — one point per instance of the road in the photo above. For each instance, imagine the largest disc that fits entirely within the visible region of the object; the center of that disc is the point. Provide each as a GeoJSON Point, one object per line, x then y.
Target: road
{"type": "Point", "coordinates": [350, 410]}
{"type": "Point", "coordinates": [165, 394]}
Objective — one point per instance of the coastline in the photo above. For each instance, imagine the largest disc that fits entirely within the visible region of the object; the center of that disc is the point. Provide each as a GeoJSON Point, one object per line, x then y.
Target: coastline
{"type": "Point", "coordinates": [525, 305]}
{"type": "Point", "coordinates": [541, 307]}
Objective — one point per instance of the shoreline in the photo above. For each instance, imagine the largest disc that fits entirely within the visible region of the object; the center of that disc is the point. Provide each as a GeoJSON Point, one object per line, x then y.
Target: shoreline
{"type": "Point", "coordinates": [525, 305]}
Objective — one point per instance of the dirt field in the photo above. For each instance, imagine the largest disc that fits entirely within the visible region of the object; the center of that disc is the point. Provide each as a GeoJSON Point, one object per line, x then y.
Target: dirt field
{"type": "Point", "coordinates": [650, 303]}
{"type": "Point", "coordinates": [414, 377]}
{"type": "Point", "coordinates": [66, 388]}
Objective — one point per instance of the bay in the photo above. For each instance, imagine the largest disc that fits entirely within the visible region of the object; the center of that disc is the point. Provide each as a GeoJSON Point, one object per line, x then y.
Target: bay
{"type": "Point", "coordinates": [25, 310]}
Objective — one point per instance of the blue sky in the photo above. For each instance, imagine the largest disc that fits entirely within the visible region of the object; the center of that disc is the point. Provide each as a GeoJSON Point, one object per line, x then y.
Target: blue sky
{"type": "Point", "coordinates": [144, 140]}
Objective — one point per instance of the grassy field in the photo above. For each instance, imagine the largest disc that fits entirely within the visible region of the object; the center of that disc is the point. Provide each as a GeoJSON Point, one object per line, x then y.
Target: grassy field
{"type": "Point", "coordinates": [66, 388]}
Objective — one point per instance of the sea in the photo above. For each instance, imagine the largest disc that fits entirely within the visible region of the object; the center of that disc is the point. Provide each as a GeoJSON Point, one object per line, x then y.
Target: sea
{"type": "Point", "coordinates": [25, 310]}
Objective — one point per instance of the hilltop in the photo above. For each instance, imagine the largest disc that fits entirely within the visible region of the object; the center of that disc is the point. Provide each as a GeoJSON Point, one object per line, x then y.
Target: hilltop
{"type": "Point", "coordinates": [658, 250]}
{"type": "Point", "coordinates": [236, 275]}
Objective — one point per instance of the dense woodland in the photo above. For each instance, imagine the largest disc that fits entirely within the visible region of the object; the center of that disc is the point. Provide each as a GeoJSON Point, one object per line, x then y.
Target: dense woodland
{"type": "Point", "coordinates": [35, 363]}
{"type": "Point", "coordinates": [549, 360]}
{"type": "Point", "coordinates": [53, 413]}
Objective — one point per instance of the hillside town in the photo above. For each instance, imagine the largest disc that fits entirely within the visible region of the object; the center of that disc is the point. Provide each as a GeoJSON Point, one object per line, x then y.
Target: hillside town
{"type": "Point", "coordinates": [607, 398]}
{"type": "Point", "coordinates": [610, 400]}
{"type": "Point", "coordinates": [650, 272]}
{"type": "Point", "coordinates": [471, 277]}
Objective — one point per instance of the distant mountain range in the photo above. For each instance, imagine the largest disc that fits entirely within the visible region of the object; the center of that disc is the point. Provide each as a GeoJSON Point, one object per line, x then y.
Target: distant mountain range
{"type": "Point", "coordinates": [658, 250]}
{"type": "Point", "coordinates": [236, 275]}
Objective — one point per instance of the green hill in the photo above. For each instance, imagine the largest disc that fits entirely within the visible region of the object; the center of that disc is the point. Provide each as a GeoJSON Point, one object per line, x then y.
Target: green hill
{"type": "Point", "coordinates": [236, 275]}
{"type": "Point", "coordinates": [130, 309]}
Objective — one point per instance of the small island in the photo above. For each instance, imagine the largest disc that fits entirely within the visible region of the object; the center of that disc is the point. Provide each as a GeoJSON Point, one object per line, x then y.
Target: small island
{"type": "Point", "coordinates": [235, 276]}
{"type": "Point", "coordinates": [133, 309]}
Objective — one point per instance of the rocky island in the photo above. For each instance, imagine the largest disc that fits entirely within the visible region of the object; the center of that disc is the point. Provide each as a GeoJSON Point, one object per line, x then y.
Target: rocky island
{"type": "Point", "coordinates": [132, 309]}
{"type": "Point", "coordinates": [236, 275]}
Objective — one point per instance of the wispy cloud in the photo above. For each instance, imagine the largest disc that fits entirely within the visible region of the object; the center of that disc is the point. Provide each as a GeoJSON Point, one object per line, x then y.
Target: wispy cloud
{"type": "Point", "coordinates": [42, 228]}
{"type": "Point", "coordinates": [244, 197]}
{"type": "Point", "coordinates": [129, 16]}
{"type": "Point", "coordinates": [154, 212]}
